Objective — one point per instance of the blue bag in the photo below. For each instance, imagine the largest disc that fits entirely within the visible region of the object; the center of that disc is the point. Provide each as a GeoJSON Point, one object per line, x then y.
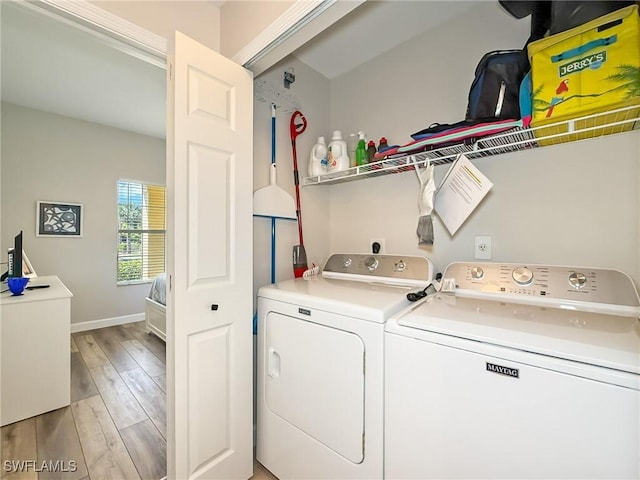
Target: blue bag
{"type": "Point", "coordinates": [495, 91]}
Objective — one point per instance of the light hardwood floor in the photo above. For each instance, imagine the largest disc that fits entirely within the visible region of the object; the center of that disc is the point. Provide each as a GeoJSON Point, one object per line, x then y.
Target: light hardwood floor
{"type": "Point", "coordinates": [116, 425]}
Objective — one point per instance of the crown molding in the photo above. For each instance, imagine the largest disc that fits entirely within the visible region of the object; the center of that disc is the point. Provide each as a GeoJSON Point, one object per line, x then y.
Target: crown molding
{"type": "Point", "coordinates": [295, 17]}
{"type": "Point", "coordinates": [85, 15]}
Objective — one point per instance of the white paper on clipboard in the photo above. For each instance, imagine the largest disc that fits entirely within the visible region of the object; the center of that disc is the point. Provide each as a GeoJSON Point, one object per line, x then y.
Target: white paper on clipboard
{"type": "Point", "coordinates": [462, 189]}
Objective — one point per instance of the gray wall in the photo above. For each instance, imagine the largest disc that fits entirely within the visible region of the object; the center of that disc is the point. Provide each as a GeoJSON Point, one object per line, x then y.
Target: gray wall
{"type": "Point", "coordinates": [574, 204]}
{"type": "Point", "coordinates": [55, 158]}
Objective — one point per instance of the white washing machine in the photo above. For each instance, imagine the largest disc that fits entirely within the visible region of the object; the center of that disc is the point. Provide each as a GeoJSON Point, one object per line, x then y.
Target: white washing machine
{"type": "Point", "coordinates": [320, 365]}
{"type": "Point", "coordinates": [525, 372]}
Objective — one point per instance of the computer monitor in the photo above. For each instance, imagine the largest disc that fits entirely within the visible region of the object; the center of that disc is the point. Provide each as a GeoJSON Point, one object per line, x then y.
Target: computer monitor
{"type": "Point", "coordinates": [14, 268]}
{"type": "Point", "coordinates": [18, 264]}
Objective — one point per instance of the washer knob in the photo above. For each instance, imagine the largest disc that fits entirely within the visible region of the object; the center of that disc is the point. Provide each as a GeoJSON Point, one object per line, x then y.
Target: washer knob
{"type": "Point", "coordinates": [477, 273]}
{"type": "Point", "coordinates": [346, 262]}
{"type": "Point", "coordinates": [371, 263]}
{"type": "Point", "coordinates": [522, 276]}
{"type": "Point", "coordinates": [577, 280]}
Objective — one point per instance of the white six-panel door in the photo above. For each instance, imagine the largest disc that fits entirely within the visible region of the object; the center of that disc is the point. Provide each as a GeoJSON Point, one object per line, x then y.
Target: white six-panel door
{"type": "Point", "coordinates": [209, 316]}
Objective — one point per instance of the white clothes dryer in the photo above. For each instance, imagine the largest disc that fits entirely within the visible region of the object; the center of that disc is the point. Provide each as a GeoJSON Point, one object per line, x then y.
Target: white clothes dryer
{"type": "Point", "coordinates": [525, 372]}
{"type": "Point", "coordinates": [321, 362]}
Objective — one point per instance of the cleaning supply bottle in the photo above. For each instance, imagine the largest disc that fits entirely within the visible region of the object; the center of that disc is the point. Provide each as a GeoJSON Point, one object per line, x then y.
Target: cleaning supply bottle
{"type": "Point", "coordinates": [361, 150]}
{"type": "Point", "coordinates": [318, 162]}
{"type": "Point", "coordinates": [352, 144]}
{"type": "Point", "coordinates": [338, 158]}
{"type": "Point", "coordinates": [371, 151]}
{"type": "Point", "coordinates": [383, 145]}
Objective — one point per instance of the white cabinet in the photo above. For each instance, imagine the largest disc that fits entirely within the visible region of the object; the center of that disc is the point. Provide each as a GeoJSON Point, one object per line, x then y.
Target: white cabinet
{"type": "Point", "coordinates": [35, 365]}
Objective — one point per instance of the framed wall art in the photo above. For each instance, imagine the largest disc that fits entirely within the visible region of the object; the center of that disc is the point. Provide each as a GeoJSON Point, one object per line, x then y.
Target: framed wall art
{"type": "Point", "coordinates": [58, 219]}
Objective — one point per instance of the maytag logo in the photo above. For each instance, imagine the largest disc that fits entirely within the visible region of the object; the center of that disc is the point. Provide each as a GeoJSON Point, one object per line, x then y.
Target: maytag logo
{"type": "Point", "coordinates": [591, 61]}
{"type": "Point", "coordinates": [304, 311]}
{"type": "Point", "coordinates": [509, 372]}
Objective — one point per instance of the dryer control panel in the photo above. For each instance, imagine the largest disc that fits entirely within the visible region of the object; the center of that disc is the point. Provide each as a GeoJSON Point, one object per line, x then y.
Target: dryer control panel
{"type": "Point", "coordinates": [580, 287]}
{"type": "Point", "coordinates": [395, 269]}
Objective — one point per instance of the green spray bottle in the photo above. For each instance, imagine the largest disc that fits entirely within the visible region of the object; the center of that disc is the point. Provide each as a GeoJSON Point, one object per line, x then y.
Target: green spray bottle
{"type": "Point", "coordinates": [361, 150]}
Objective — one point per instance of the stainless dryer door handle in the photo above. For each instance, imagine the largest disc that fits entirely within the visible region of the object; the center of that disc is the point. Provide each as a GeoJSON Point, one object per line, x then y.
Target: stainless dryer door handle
{"type": "Point", "coordinates": [273, 363]}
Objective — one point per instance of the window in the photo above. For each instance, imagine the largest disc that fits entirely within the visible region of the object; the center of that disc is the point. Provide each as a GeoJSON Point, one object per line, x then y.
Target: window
{"type": "Point", "coordinates": [141, 231]}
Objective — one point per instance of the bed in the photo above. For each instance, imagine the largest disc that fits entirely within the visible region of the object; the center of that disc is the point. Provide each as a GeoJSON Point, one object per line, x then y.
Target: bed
{"type": "Point", "coordinates": [155, 311]}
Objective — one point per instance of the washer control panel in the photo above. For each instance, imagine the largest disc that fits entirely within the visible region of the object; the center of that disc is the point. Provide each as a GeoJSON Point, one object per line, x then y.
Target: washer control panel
{"type": "Point", "coordinates": [402, 269]}
{"type": "Point", "coordinates": [579, 284]}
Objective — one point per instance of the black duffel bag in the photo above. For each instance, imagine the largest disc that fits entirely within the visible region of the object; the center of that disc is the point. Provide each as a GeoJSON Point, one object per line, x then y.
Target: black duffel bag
{"type": "Point", "coordinates": [569, 14]}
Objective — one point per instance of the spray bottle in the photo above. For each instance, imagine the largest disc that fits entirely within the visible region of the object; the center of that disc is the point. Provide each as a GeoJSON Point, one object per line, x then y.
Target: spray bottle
{"type": "Point", "coordinates": [361, 150]}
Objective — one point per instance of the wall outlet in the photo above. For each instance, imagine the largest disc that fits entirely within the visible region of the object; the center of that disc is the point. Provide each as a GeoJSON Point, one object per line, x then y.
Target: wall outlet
{"type": "Point", "coordinates": [482, 250]}
{"type": "Point", "coordinates": [379, 241]}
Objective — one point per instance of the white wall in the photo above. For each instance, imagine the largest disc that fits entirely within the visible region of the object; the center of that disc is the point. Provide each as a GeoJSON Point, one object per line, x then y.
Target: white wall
{"type": "Point", "coordinates": [197, 19]}
{"type": "Point", "coordinates": [55, 158]}
{"type": "Point", "coordinates": [423, 80]}
{"type": "Point", "coordinates": [571, 204]}
{"type": "Point", "coordinates": [311, 91]}
{"type": "Point", "coordinates": [242, 21]}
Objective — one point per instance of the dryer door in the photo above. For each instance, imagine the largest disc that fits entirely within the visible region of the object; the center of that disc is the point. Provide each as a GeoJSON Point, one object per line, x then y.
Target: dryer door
{"type": "Point", "coordinates": [315, 381]}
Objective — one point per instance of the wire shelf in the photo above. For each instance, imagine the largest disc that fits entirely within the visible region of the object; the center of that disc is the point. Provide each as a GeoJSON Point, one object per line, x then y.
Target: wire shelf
{"type": "Point", "coordinates": [516, 139]}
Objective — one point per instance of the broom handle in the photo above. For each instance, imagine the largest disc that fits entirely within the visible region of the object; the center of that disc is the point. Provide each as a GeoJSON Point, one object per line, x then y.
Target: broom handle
{"type": "Point", "coordinates": [272, 181]}
{"type": "Point", "coordinates": [273, 133]}
{"type": "Point", "coordinates": [273, 249]}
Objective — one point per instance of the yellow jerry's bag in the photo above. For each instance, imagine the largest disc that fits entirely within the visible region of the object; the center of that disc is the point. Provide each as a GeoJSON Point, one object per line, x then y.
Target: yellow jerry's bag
{"type": "Point", "coordinates": [589, 69]}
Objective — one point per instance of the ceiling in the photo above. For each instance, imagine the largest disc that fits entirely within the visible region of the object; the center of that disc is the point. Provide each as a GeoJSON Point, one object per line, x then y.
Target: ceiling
{"type": "Point", "coordinates": [51, 66]}
{"type": "Point", "coordinates": [372, 29]}
{"type": "Point", "coordinates": [55, 67]}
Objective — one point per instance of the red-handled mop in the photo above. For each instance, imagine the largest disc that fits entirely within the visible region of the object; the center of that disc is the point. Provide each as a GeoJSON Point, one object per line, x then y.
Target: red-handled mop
{"type": "Point", "coordinates": [297, 125]}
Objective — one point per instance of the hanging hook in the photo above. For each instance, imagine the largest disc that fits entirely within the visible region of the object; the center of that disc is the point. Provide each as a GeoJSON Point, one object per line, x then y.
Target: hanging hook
{"type": "Point", "coordinates": [289, 78]}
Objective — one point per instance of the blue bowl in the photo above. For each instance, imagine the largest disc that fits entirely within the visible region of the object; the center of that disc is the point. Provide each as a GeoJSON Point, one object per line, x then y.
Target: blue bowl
{"type": "Point", "coordinates": [17, 284]}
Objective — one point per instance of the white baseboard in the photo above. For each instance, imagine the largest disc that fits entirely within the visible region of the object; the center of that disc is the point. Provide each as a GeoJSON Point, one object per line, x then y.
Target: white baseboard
{"type": "Point", "coordinates": [106, 322]}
